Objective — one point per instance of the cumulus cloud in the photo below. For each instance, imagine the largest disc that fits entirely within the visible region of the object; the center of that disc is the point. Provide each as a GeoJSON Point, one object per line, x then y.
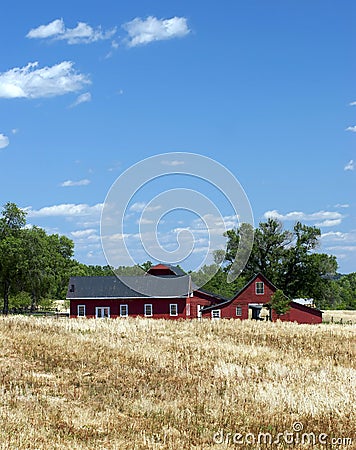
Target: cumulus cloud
{"type": "Point", "coordinates": [4, 141]}
{"type": "Point", "coordinates": [140, 206]}
{"type": "Point", "coordinates": [33, 82]}
{"type": "Point", "coordinates": [81, 34]}
{"type": "Point", "coordinates": [70, 183]}
{"type": "Point", "coordinates": [353, 129]}
{"type": "Point", "coordinates": [65, 210]}
{"type": "Point", "coordinates": [83, 233]}
{"type": "Point", "coordinates": [83, 98]}
{"type": "Point", "coordinates": [350, 165]}
{"type": "Point", "coordinates": [142, 32]}
{"type": "Point", "coordinates": [328, 223]}
{"type": "Point", "coordinates": [301, 216]}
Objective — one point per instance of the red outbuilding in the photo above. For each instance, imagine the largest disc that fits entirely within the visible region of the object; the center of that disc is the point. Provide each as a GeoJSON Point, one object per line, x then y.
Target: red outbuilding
{"type": "Point", "coordinates": [167, 292]}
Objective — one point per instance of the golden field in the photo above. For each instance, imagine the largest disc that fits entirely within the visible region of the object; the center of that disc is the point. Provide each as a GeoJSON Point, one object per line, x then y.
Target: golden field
{"type": "Point", "coordinates": [155, 384]}
{"type": "Point", "coordinates": [337, 316]}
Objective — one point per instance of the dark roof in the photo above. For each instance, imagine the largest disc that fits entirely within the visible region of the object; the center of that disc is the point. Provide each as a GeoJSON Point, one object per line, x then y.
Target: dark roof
{"type": "Point", "coordinates": [128, 287]}
{"type": "Point", "coordinates": [210, 294]}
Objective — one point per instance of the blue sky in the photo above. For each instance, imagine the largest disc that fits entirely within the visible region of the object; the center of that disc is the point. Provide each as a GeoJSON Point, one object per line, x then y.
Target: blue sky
{"type": "Point", "coordinates": [88, 89]}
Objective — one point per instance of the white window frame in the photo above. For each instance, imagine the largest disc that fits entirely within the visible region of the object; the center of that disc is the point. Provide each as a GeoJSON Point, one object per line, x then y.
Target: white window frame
{"type": "Point", "coordinates": [123, 306]}
{"type": "Point", "coordinates": [238, 311]}
{"type": "Point", "coordinates": [84, 310]}
{"type": "Point", "coordinates": [102, 309]}
{"type": "Point", "coordinates": [173, 305]}
{"type": "Point", "coordinates": [257, 287]}
{"type": "Point", "coordinates": [216, 314]}
{"type": "Point", "coordinates": [145, 309]}
{"type": "Point", "coordinates": [187, 309]}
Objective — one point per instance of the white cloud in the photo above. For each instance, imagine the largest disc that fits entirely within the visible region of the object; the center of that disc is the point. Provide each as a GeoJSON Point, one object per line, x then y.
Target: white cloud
{"type": "Point", "coordinates": [4, 141]}
{"type": "Point", "coordinates": [172, 163]}
{"type": "Point", "coordinates": [143, 221]}
{"type": "Point", "coordinates": [31, 82]}
{"type": "Point", "coordinates": [140, 206]}
{"type": "Point", "coordinates": [353, 129]}
{"type": "Point", "coordinates": [137, 207]}
{"type": "Point", "coordinates": [14, 130]}
{"type": "Point", "coordinates": [65, 210]}
{"type": "Point", "coordinates": [81, 34]}
{"type": "Point", "coordinates": [83, 233]}
{"type": "Point", "coordinates": [44, 31]}
{"type": "Point", "coordinates": [350, 165]}
{"type": "Point", "coordinates": [301, 216]}
{"type": "Point", "coordinates": [70, 183]}
{"type": "Point", "coordinates": [83, 98]}
{"type": "Point", "coordinates": [328, 223]}
{"type": "Point", "coordinates": [342, 205]}
{"type": "Point", "coordinates": [352, 104]}
{"type": "Point", "coordinates": [152, 29]}
{"type": "Point", "coordinates": [334, 236]}
{"type": "Point", "coordinates": [347, 248]}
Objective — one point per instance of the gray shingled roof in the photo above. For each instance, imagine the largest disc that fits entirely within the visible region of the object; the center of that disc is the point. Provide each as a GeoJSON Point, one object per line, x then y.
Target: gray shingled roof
{"type": "Point", "coordinates": [128, 287]}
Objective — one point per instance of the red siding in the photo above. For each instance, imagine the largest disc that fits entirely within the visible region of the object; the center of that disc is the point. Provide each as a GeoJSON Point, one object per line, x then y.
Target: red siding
{"type": "Point", "coordinates": [297, 313]}
{"type": "Point", "coordinates": [135, 307]}
{"type": "Point", "coordinates": [302, 314]}
{"type": "Point", "coordinates": [199, 298]}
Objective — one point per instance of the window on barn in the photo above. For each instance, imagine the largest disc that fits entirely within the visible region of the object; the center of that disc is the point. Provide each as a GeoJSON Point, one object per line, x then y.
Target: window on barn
{"type": "Point", "coordinates": [124, 310]}
{"type": "Point", "coordinates": [260, 287]}
{"type": "Point", "coordinates": [188, 309]}
{"type": "Point", "coordinates": [102, 312]}
{"type": "Point", "coordinates": [81, 310]}
{"type": "Point", "coordinates": [238, 311]}
{"type": "Point", "coordinates": [148, 310]}
{"type": "Point", "coordinates": [72, 288]}
{"type": "Point", "coordinates": [173, 309]}
{"type": "Point", "coordinates": [215, 314]}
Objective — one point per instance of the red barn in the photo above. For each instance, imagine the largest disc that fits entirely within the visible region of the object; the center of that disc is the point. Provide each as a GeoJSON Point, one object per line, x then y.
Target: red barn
{"type": "Point", "coordinates": [251, 302]}
{"type": "Point", "coordinates": [166, 292]}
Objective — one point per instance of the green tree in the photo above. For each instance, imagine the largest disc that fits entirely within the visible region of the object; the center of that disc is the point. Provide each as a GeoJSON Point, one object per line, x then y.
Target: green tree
{"type": "Point", "coordinates": [12, 221]}
{"type": "Point", "coordinates": [279, 303]}
{"type": "Point", "coordinates": [287, 258]}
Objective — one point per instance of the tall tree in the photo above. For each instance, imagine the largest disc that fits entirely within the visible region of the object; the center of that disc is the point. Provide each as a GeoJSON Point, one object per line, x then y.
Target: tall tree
{"type": "Point", "coordinates": [12, 221]}
{"type": "Point", "coordinates": [287, 258]}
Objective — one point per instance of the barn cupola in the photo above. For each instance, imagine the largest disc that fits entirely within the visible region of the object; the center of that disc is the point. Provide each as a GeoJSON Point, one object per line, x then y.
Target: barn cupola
{"type": "Point", "coordinates": [165, 270]}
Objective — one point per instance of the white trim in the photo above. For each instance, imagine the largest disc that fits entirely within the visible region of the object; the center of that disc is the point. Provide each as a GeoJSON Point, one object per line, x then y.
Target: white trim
{"type": "Point", "coordinates": [216, 311]}
{"type": "Point", "coordinates": [199, 314]}
{"type": "Point", "coordinates": [170, 309]}
{"type": "Point", "coordinates": [102, 308]}
{"type": "Point", "coordinates": [81, 315]}
{"type": "Point", "coordinates": [240, 309]}
{"type": "Point", "coordinates": [144, 309]}
{"type": "Point", "coordinates": [263, 288]}
{"type": "Point", "coordinates": [127, 310]}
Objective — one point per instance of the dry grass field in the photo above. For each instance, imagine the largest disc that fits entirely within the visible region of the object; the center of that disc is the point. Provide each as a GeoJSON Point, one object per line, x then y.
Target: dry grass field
{"type": "Point", "coordinates": [154, 384]}
{"type": "Point", "coordinates": [338, 316]}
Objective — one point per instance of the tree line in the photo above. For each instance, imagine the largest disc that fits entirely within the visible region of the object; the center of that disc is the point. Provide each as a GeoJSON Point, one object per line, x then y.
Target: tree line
{"type": "Point", "coordinates": [35, 267]}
